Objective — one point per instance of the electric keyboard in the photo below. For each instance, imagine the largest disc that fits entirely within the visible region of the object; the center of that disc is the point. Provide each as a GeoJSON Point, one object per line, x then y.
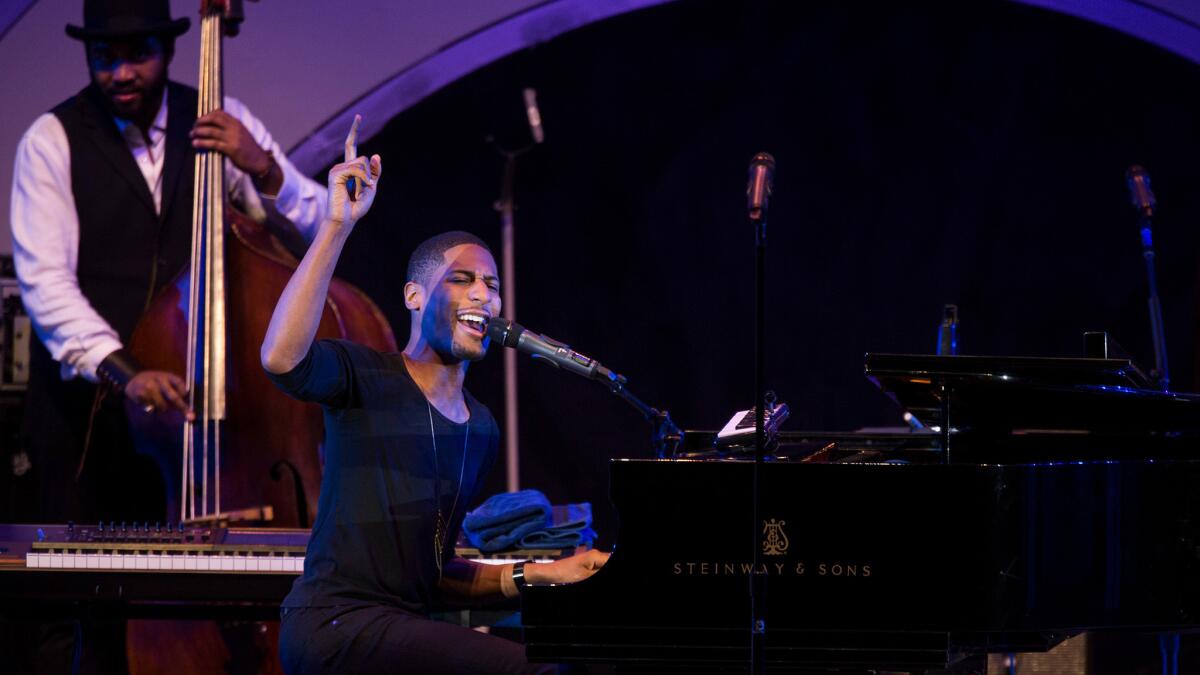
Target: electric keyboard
{"type": "Point", "coordinates": [154, 571]}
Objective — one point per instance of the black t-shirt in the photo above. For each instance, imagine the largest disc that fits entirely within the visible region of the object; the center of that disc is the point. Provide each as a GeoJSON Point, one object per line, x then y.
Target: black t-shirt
{"type": "Point", "coordinates": [373, 541]}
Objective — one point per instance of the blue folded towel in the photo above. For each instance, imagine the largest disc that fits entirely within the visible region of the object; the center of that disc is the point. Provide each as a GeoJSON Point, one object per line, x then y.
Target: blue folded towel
{"type": "Point", "coordinates": [527, 520]}
{"type": "Point", "coordinates": [570, 527]}
{"type": "Point", "coordinates": [502, 520]}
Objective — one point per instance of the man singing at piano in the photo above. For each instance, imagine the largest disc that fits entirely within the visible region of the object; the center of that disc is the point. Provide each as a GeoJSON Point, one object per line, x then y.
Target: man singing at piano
{"type": "Point", "coordinates": [407, 448]}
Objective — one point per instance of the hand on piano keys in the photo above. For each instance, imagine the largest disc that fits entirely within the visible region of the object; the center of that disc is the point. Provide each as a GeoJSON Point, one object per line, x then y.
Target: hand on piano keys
{"type": "Point", "coordinates": [566, 570]}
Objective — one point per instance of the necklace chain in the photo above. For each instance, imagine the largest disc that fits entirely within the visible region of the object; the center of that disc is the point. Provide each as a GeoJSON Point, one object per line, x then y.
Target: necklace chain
{"type": "Point", "coordinates": [442, 523]}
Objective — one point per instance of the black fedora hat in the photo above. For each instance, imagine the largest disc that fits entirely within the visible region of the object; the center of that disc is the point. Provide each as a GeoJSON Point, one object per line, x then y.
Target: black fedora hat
{"type": "Point", "coordinates": [109, 19]}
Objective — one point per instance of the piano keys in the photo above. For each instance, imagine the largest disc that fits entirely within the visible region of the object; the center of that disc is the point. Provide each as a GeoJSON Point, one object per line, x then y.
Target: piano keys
{"type": "Point", "coordinates": [148, 571]}
{"type": "Point", "coordinates": [234, 550]}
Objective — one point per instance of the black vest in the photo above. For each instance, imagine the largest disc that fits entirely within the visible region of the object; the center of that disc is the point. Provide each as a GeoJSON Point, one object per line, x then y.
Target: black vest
{"type": "Point", "coordinates": [127, 252]}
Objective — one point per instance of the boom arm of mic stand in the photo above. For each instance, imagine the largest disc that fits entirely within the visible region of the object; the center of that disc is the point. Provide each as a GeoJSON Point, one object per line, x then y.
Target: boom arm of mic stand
{"type": "Point", "coordinates": [667, 436]}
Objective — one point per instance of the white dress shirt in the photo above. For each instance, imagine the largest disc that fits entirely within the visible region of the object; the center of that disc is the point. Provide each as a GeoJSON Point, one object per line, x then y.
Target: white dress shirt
{"type": "Point", "coordinates": [45, 226]}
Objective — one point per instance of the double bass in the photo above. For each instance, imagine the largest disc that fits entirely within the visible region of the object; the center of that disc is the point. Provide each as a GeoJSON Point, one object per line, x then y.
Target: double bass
{"type": "Point", "coordinates": [252, 454]}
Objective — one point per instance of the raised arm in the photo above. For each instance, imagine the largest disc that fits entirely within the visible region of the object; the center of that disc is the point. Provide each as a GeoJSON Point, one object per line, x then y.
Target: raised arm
{"type": "Point", "coordinates": [298, 313]}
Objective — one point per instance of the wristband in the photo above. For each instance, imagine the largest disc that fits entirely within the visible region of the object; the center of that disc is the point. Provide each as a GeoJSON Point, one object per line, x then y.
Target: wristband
{"type": "Point", "coordinates": [118, 368]}
{"type": "Point", "coordinates": [518, 576]}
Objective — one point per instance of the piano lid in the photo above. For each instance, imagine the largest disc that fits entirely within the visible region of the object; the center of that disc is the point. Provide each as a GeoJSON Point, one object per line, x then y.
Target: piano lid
{"type": "Point", "coordinates": [1032, 395]}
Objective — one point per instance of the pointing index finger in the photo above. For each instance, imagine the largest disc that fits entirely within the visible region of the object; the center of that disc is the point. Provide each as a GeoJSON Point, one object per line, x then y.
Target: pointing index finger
{"type": "Point", "coordinates": [351, 152]}
{"type": "Point", "coordinates": [352, 140]}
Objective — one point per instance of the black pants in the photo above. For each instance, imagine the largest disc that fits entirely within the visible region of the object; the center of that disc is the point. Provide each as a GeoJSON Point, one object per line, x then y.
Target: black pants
{"type": "Point", "coordinates": [377, 639]}
{"type": "Point", "coordinates": [111, 482]}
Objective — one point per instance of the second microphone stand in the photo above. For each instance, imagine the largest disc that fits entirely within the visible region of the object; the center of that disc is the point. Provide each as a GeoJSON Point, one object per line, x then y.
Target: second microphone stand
{"type": "Point", "coordinates": [758, 192]}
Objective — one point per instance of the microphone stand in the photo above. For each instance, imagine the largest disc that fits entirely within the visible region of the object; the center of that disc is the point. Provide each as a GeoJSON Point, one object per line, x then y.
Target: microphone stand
{"type": "Point", "coordinates": [1143, 200]}
{"type": "Point", "coordinates": [758, 192]}
{"type": "Point", "coordinates": [1168, 641]}
{"type": "Point", "coordinates": [666, 436]}
{"type": "Point", "coordinates": [508, 282]}
{"type": "Point", "coordinates": [506, 205]}
{"type": "Point", "coordinates": [1156, 322]}
{"type": "Point", "coordinates": [758, 579]}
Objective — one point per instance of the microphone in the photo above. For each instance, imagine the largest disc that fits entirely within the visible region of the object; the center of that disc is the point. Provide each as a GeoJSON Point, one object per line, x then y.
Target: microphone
{"type": "Point", "coordinates": [758, 189]}
{"type": "Point", "coordinates": [1139, 190]}
{"type": "Point", "coordinates": [534, 115]}
{"type": "Point", "coordinates": [555, 353]}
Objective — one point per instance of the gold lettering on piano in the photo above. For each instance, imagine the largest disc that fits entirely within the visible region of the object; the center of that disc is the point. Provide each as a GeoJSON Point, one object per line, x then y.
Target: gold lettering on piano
{"type": "Point", "coordinates": [842, 569]}
{"type": "Point", "coordinates": [776, 542]}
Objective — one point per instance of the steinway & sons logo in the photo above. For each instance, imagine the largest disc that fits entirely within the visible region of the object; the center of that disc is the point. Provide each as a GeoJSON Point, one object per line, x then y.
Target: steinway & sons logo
{"type": "Point", "coordinates": [775, 543]}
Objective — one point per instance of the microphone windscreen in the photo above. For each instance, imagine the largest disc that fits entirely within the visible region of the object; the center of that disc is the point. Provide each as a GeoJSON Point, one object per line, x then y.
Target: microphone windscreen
{"type": "Point", "coordinates": [533, 115]}
{"type": "Point", "coordinates": [759, 188]}
{"type": "Point", "coordinates": [504, 331]}
{"type": "Point", "coordinates": [1139, 189]}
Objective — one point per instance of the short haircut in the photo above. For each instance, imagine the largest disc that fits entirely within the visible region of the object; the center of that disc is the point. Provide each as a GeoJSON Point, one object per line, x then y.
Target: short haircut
{"type": "Point", "coordinates": [428, 255]}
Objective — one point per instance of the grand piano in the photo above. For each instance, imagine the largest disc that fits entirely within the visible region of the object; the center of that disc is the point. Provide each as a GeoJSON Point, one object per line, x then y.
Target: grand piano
{"type": "Point", "coordinates": [1042, 498]}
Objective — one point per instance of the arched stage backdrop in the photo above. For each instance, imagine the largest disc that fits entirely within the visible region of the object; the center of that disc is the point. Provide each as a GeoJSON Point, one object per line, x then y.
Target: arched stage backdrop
{"type": "Point", "coordinates": [973, 156]}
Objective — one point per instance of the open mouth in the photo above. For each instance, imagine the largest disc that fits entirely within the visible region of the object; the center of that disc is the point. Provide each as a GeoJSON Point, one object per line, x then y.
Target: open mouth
{"type": "Point", "coordinates": [473, 321]}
